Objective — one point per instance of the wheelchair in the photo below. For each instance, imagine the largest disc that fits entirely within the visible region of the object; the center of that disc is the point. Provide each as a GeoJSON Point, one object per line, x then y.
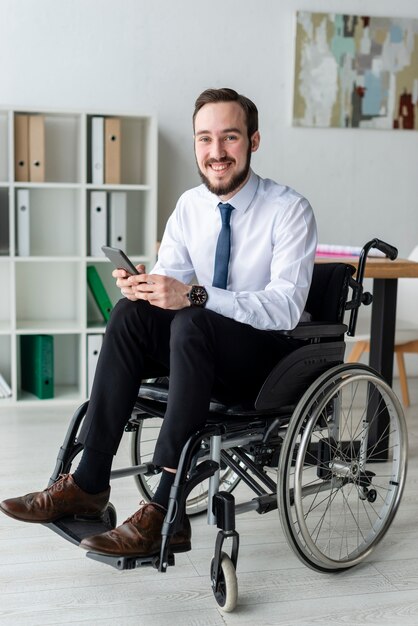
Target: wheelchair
{"type": "Point", "coordinates": [325, 443]}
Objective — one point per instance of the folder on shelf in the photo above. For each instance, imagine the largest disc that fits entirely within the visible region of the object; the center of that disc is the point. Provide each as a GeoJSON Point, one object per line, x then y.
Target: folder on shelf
{"type": "Point", "coordinates": [37, 365]}
{"type": "Point", "coordinates": [21, 146]}
{"type": "Point", "coordinates": [112, 150]}
{"type": "Point", "coordinates": [4, 225]}
{"type": "Point", "coordinates": [99, 292]}
{"type": "Point", "coordinates": [94, 344]}
{"type": "Point", "coordinates": [37, 148]}
{"type": "Point", "coordinates": [5, 390]}
{"type": "Point", "coordinates": [97, 150]}
{"type": "Point", "coordinates": [98, 222]}
{"type": "Point", "coordinates": [117, 219]}
{"type": "Point", "coordinates": [23, 222]}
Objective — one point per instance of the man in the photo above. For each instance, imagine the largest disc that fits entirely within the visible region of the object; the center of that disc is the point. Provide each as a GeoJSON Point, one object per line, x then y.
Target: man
{"type": "Point", "coordinates": [250, 243]}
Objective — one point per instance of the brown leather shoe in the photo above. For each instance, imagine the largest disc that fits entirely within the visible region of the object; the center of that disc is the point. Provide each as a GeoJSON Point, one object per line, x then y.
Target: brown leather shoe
{"type": "Point", "coordinates": [140, 535]}
{"type": "Point", "coordinates": [62, 498]}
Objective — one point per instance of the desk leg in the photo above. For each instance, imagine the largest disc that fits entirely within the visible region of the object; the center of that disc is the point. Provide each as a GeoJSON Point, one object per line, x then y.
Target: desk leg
{"type": "Point", "coordinates": [382, 339]}
{"type": "Point", "coordinates": [382, 334]}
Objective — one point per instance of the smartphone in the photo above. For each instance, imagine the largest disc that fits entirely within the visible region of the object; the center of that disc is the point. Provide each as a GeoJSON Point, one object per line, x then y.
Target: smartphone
{"type": "Point", "coordinates": [119, 259]}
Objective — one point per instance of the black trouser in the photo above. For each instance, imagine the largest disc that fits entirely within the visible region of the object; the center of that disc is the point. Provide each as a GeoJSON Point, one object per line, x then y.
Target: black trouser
{"type": "Point", "coordinates": [205, 355]}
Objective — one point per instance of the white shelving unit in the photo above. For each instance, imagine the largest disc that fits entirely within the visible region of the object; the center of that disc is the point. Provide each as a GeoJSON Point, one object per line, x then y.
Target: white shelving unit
{"type": "Point", "coordinates": [47, 292]}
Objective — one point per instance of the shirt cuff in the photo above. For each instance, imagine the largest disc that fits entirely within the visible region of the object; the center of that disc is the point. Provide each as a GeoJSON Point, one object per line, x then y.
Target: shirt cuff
{"type": "Point", "coordinates": [220, 301]}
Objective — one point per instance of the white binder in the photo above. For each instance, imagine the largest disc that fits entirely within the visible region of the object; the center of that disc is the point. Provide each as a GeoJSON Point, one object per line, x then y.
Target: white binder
{"type": "Point", "coordinates": [97, 150]}
{"type": "Point", "coordinates": [118, 210]}
{"type": "Point", "coordinates": [94, 344]}
{"type": "Point", "coordinates": [98, 222]}
{"type": "Point", "coordinates": [5, 390]}
{"type": "Point", "coordinates": [23, 222]}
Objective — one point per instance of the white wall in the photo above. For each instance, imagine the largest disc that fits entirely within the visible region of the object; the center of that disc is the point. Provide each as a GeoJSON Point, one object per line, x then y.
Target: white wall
{"type": "Point", "coordinates": [157, 55]}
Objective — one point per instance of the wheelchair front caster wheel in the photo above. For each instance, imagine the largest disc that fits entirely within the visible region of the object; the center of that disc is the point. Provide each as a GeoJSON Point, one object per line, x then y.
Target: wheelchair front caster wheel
{"type": "Point", "coordinates": [226, 589]}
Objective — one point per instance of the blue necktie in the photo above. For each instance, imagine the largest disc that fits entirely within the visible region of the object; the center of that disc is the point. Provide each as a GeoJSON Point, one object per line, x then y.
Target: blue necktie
{"type": "Point", "coordinates": [223, 248]}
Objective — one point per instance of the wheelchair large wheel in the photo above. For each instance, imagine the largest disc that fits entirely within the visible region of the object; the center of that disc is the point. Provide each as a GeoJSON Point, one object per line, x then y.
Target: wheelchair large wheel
{"type": "Point", "coordinates": [338, 491]}
{"type": "Point", "coordinates": [142, 450]}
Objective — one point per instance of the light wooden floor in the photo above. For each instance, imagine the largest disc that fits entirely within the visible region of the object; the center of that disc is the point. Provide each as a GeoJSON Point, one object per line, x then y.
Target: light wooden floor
{"type": "Point", "coordinates": [45, 580]}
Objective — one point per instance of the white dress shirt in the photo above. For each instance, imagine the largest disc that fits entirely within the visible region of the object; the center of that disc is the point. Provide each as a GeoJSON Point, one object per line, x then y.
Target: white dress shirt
{"type": "Point", "coordinates": [273, 243]}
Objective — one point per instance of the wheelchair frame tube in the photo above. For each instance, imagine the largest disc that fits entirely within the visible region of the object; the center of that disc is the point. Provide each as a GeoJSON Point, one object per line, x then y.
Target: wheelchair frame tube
{"type": "Point", "coordinates": [146, 468]}
{"type": "Point", "coordinates": [215, 455]}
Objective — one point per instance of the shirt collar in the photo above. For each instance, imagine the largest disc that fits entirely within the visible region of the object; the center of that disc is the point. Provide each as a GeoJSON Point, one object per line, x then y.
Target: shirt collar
{"type": "Point", "coordinates": [242, 200]}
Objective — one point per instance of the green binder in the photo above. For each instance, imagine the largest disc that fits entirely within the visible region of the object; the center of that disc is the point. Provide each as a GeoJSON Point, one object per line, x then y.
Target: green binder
{"type": "Point", "coordinates": [37, 365]}
{"type": "Point", "coordinates": [99, 292]}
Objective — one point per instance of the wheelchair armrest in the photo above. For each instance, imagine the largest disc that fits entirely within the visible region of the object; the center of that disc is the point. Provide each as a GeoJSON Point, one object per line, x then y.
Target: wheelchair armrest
{"type": "Point", "coordinates": [311, 330]}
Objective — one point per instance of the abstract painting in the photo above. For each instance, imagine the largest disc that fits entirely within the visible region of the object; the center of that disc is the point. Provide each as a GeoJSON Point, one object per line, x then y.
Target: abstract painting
{"type": "Point", "coordinates": [356, 71]}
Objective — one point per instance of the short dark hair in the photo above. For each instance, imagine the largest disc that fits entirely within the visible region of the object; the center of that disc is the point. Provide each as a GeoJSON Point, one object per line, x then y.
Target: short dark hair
{"type": "Point", "coordinates": [229, 95]}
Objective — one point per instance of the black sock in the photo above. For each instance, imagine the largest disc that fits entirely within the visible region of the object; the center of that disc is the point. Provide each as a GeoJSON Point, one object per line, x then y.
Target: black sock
{"type": "Point", "coordinates": [162, 494]}
{"type": "Point", "coordinates": [93, 472]}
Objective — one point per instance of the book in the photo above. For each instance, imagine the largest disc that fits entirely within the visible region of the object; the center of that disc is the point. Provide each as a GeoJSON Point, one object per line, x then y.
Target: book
{"type": "Point", "coordinates": [36, 148]}
{"type": "Point", "coordinates": [23, 222]}
{"type": "Point", "coordinates": [112, 150]}
{"type": "Point", "coordinates": [21, 145]}
{"type": "Point", "coordinates": [117, 219]}
{"type": "Point", "coordinates": [324, 249]}
{"type": "Point", "coordinates": [98, 222]}
{"type": "Point", "coordinates": [99, 292]}
{"type": "Point", "coordinates": [37, 365]}
{"type": "Point", "coordinates": [97, 150]}
{"type": "Point", "coordinates": [94, 344]}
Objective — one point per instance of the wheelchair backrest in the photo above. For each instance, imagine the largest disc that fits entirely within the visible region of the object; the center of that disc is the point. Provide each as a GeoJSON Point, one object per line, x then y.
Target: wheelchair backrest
{"type": "Point", "coordinates": [299, 369]}
{"type": "Point", "coordinates": [329, 291]}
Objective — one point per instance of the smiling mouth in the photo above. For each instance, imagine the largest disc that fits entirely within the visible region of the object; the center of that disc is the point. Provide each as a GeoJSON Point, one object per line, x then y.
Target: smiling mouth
{"type": "Point", "coordinates": [219, 167]}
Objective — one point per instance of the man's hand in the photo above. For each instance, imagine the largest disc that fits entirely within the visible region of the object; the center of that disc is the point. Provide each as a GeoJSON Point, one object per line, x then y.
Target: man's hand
{"type": "Point", "coordinates": [122, 281]}
{"type": "Point", "coordinates": [161, 291]}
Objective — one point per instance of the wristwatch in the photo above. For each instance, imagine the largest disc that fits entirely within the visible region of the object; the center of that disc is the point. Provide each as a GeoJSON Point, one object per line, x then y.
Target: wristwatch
{"type": "Point", "coordinates": [198, 296]}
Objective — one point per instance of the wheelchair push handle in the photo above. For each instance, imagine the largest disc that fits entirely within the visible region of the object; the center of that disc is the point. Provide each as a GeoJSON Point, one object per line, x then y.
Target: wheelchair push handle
{"type": "Point", "coordinates": [384, 247]}
{"type": "Point", "coordinates": [390, 251]}
{"type": "Point", "coordinates": [358, 296]}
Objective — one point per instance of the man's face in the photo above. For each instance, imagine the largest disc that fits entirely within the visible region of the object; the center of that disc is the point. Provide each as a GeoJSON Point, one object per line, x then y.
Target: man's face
{"type": "Point", "coordinates": [222, 148]}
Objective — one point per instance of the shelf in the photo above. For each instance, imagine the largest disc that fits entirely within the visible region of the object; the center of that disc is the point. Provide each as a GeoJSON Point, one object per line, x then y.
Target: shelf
{"type": "Point", "coordinates": [48, 296]}
{"type": "Point", "coordinates": [140, 220]}
{"type": "Point", "coordinates": [137, 149]}
{"type": "Point", "coordinates": [63, 395]}
{"type": "Point", "coordinates": [54, 327]}
{"type": "Point", "coordinates": [90, 186]}
{"type": "Point", "coordinates": [67, 375]}
{"type": "Point", "coordinates": [94, 316]}
{"type": "Point", "coordinates": [134, 258]}
{"type": "Point", "coordinates": [62, 132]}
{"type": "Point", "coordinates": [45, 239]}
{"type": "Point", "coordinates": [29, 185]}
{"type": "Point", "coordinates": [61, 210]}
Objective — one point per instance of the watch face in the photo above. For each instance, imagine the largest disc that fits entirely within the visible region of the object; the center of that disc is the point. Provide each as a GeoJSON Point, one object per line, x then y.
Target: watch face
{"type": "Point", "coordinates": [198, 296]}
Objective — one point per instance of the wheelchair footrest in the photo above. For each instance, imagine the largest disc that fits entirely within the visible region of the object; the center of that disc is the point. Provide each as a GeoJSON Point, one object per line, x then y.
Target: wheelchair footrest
{"type": "Point", "coordinates": [75, 529]}
{"type": "Point", "coordinates": [129, 562]}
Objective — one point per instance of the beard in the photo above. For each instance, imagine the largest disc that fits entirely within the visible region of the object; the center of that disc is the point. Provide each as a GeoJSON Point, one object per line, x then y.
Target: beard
{"type": "Point", "coordinates": [224, 189]}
